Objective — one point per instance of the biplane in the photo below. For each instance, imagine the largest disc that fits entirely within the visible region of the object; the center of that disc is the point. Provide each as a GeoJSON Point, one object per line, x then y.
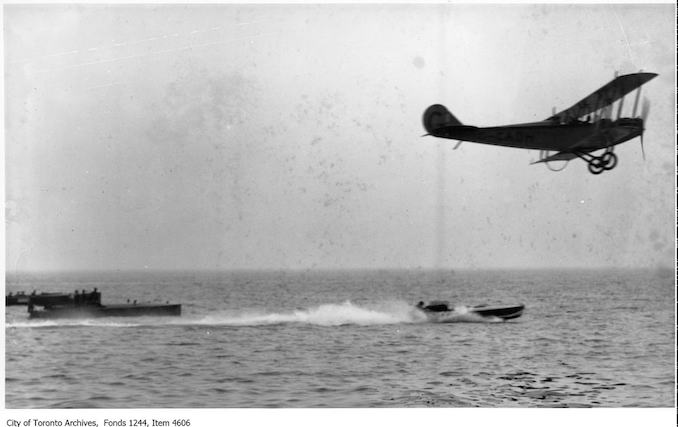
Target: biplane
{"type": "Point", "coordinates": [580, 131]}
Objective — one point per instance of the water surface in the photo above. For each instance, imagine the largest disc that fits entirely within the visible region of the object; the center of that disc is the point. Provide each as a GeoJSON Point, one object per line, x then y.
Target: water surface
{"type": "Point", "coordinates": [349, 339]}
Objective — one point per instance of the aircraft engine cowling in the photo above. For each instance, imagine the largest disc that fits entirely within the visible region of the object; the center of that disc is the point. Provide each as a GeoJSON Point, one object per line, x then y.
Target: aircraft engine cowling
{"type": "Point", "coordinates": [437, 116]}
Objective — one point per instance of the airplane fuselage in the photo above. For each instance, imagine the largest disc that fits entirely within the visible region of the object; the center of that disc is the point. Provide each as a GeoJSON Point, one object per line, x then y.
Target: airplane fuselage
{"type": "Point", "coordinates": [579, 136]}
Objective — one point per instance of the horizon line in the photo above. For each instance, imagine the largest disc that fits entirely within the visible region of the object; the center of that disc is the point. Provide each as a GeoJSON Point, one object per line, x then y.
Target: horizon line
{"type": "Point", "coordinates": [331, 269]}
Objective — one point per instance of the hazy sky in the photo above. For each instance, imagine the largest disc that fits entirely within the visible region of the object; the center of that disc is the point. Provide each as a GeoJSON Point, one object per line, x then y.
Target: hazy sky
{"type": "Point", "coordinates": [225, 136]}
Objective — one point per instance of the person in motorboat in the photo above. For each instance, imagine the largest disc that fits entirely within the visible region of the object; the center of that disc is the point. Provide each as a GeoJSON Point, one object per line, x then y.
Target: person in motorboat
{"type": "Point", "coordinates": [436, 306]}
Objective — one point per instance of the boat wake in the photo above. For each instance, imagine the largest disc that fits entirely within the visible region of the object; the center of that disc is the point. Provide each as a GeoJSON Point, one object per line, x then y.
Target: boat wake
{"type": "Point", "coordinates": [346, 313]}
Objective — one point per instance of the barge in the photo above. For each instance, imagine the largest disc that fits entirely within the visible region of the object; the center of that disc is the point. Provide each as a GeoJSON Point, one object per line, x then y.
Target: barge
{"type": "Point", "coordinates": [22, 298]}
{"type": "Point", "coordinates": [88, 305]}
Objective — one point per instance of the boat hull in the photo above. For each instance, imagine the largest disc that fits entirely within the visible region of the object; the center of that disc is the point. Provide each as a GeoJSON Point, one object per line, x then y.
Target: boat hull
{"type": "Point", "coordinates": [121, 310]}
{"type": "Point", "coordinates": [460, 314]}
{"type": "Point", "coordinates": [505, 313]}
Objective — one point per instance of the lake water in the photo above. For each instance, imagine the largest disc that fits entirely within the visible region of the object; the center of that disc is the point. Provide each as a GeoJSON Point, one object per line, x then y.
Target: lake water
{"type": "Point", "coordinates": [349, 339]}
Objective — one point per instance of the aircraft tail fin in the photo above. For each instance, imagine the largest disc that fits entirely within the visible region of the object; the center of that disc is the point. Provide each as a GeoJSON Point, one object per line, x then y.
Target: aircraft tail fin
{"type": "Point", "coordinates": [437, 116]}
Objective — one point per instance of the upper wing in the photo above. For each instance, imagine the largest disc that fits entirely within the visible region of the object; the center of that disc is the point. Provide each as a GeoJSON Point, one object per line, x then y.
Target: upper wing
{"type": "Point", "coordinates": [604, 96]}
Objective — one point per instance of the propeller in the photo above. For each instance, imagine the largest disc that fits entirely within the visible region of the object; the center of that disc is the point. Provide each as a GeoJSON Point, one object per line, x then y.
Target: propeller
{"type": "Point", "coordinates": [644, 112]}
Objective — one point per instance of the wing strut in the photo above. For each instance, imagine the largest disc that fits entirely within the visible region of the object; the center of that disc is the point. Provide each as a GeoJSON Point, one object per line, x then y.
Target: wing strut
{"type": "Point", "coordinates": [635, 104]}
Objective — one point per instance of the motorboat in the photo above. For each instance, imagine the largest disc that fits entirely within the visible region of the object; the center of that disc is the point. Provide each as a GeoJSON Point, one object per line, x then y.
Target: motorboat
{"type": "Point", "coordinates": [440, 311]}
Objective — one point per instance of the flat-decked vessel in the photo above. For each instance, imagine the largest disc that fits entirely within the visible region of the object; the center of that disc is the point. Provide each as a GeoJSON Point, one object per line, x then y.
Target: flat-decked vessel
{"type": "Point", "coordinates": [22, 298]}
{"type": "Point", "coordinates": [88, 305]}
{"type": "Point", "coordinates": [119, 310]}
{"type": "Point", "coordinates": [19, 298]}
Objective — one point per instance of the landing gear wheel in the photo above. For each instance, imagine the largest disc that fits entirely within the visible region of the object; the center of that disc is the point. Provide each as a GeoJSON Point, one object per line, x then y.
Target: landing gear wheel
{"type": "Point", "coordinates": [596, 166]}
{"type": "Point", "coordinates": [609, 160]}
